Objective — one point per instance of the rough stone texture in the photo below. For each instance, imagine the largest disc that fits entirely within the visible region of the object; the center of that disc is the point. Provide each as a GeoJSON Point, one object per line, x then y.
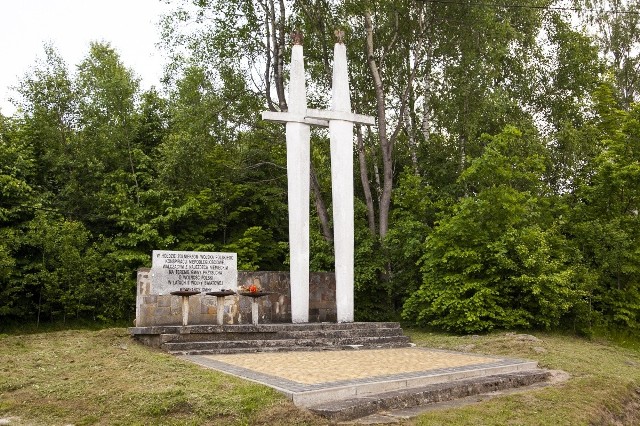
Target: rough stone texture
{"type": "Point", "coordinates": [164, 300]}
{"type": "Point", "coordinates": [217, 339]}
{"type": "Point", "coordinates": [159, 310]}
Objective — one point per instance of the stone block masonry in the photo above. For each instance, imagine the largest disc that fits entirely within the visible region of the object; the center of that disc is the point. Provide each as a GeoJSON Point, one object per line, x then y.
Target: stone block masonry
{"type": "Point", "coordinates": [156, 310]}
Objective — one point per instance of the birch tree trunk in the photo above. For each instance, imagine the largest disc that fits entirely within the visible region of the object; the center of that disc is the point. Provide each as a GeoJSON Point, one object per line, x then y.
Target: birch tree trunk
{"type": "Point", "coordinates": [364, 178]}
{"type": "Point", "coordinates": [321, 208]}
{"type": "Point", "coordinates": [386, 143]}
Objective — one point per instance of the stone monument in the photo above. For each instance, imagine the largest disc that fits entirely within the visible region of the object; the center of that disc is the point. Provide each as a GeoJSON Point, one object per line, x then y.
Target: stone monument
{"type": "Point", "coordinates": [340, 121]}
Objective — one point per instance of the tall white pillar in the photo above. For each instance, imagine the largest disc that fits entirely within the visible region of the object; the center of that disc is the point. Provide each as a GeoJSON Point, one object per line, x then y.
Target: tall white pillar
{"type": "Point", "coordinates": [341, 134]}
{"type": "Point", "coordinates": [298, 180]}
{"type": "Point", "coordinates": [298, 161]}
{"type": "Point", "coordinates": [340, 121]}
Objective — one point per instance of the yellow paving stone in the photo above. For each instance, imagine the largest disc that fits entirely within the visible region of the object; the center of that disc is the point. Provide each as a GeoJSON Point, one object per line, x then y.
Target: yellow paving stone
{"type": "Point", "coordinates": [331, 366]}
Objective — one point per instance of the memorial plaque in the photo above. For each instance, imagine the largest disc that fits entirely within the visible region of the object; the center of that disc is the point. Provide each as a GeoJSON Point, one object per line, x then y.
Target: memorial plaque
{"type": "Point", "coordinates": [193, 270]}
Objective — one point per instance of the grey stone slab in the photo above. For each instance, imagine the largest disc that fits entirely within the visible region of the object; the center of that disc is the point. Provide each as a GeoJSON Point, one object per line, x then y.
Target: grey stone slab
{"type": "Point", "coordinates": [374, 419]}
{"type": "Point", "coordinates": [148, 300]}
{"type": "Point", "coordinates": [307, 398]}
{"type": "Point", "coordinates": [164, 312]}
{"type": "Point", "coordinates": [164, 301]}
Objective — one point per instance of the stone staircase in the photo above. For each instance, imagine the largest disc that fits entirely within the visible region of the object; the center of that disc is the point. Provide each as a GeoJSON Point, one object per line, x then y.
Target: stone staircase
{"type": "Point", "coordinates": [245, 338]}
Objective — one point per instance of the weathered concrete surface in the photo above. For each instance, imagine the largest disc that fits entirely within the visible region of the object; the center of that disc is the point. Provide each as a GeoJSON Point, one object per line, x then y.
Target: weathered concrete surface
{"type": "Point", "coordinates": [248, 338]}
{"type": "Point", "coordinates": [298, 172]}
{"type": "Point", "coordinates": [158, 310]}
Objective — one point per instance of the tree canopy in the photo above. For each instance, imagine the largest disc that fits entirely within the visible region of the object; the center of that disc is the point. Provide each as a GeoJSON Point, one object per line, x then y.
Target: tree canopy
{"type": "Point", "coordinates": [498, 189]}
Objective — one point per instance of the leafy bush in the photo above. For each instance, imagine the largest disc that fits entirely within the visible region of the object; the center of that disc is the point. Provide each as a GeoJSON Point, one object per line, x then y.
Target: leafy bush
{"type": "Point", "coordinates": [499, 259]}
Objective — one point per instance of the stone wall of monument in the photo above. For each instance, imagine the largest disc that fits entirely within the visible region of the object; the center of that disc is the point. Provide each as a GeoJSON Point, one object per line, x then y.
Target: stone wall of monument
{"type": "Point", "coordinates": [154, 309]}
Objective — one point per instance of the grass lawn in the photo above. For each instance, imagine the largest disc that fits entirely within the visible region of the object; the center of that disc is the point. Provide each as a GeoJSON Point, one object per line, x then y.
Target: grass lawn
{"type": "Point", "coordinates": [84, 377]}
{"type": "Point", "coordinates": [604, 388]}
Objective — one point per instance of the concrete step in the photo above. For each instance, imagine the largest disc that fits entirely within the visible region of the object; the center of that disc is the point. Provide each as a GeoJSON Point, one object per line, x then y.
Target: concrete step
{"type": "Point", "coordinates": [260, 328]}
{"type": "Point", "coordinates": [370, 334]}
{"type": "Point", "coordinates": [254, 349]}
{"type": "Point", "coordinates": [282, 344]}
{"type": "Point", "coordinates": [282, 334]}
{"type": "Point", "coordinates": [354, 408]}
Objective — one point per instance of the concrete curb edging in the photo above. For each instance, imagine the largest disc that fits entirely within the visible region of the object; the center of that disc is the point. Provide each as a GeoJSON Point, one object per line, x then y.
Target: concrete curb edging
{"type": "Point", "coordinates": [354, 408]}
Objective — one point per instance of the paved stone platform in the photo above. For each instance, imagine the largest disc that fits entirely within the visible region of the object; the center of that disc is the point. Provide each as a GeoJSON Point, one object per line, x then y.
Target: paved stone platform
{"type": "Point", "coordinates": [312, 378]}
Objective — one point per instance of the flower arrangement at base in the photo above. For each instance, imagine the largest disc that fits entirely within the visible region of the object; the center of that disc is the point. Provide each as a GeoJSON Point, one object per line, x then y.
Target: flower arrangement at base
{"type": "Point", "coordinates": [253, 288]}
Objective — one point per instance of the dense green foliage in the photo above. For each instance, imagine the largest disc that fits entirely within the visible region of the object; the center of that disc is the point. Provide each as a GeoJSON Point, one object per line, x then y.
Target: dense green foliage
{"type": "Point", "coordinates": [499, 258]}
{"type": "Point", "coordinates": [500, 187]}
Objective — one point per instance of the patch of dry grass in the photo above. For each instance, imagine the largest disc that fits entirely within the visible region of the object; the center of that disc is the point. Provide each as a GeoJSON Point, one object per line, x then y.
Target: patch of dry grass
{"type": "Point", "coordinates": [103, 377]}
{"type": "Point", "coordinates": [604, 380]}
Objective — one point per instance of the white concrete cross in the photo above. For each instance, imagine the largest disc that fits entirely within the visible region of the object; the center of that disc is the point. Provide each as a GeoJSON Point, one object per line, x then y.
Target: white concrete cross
{"type": "Point", "coordinates": [340, 121]}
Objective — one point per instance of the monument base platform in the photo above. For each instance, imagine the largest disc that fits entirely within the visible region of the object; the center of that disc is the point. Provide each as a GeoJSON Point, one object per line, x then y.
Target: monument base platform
{"type": "Point", "coordinates": [381, 385]}
{"type": "Point", "coordinates": [247, 338]}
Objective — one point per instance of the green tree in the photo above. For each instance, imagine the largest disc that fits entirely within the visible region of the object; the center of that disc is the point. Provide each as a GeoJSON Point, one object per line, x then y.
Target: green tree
{"type": "Point", "coordinates": [87, 182]}
{"type": "Point", "coordinates": [57, 266]}
{"type": "Point", "coordinates": [606, 214]}
{"type": "Point", "coordinates": [17, 170]}
{"type": "Point", "coordinates": [500, 259]}
{"type": "Point", "coordinates": [48, 107]}
{"type": "Point", "coordinates": [618, 34]}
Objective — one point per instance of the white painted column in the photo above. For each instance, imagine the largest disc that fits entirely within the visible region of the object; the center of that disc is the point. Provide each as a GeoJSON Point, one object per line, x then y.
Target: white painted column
{"type": "Point", "coordinates": [220, 310]}
{"type": "Point", "coordinates": [185, 310]}
{"type": "Point", "coordinates": [298, 161]}
{"type": "Point", "coordinates": [341, 134]}
{"type": "Point", "coordinates": [254, 311]}
{"type": "Point", "coordinates": [340, 121]}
